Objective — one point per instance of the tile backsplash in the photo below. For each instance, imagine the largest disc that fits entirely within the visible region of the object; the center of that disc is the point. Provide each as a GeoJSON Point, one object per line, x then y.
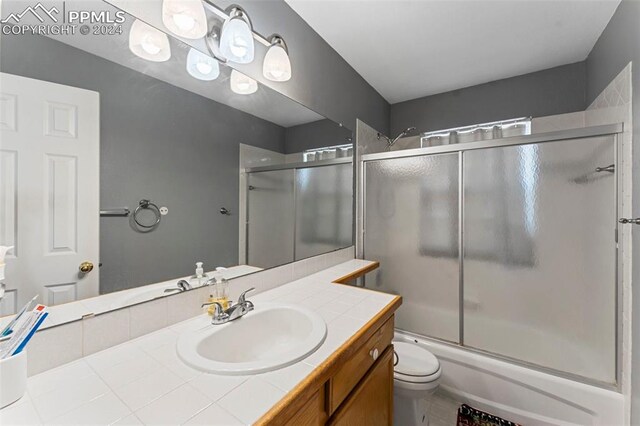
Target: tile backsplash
{"type": "Point", "coordinates": [64, 343]}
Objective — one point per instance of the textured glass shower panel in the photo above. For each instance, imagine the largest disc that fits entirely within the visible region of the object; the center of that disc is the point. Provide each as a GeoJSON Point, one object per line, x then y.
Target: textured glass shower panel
{"type": "Point", "coordinates": [324, 209]}
{"type": "Point", "coordinates": [271, 219]}
{"type": "Point", "coordinates": [411, 219]}
{"type": "Point", "coordinates": [540, 254]}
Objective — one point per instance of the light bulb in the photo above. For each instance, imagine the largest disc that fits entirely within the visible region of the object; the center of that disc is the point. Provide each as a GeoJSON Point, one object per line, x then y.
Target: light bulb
{"type": "Point", "coordinates": [241, 84]}
{"type": "Point", "coordinates": [184, 21]}
{"type": "Point", "coordinates": [185, 18]}
{"type": "Point", "coordinates": [239, 47]}
{"type": "Point", "coordinates": [276, 65]}
{"type": "Point", "coordinates": [201, 66]}
{"type": "Point", "coordinates": [236, 40]}
{"type": "Point", "coordinates": [149, 43]}
{"type": "Point", "coordinates": [150, 47]}
{"type": "Point", "coordinates": [204, 68]}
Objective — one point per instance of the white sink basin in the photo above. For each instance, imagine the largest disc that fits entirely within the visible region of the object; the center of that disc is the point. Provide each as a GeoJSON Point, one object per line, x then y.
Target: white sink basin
{"type": "Point", "coordinates": [268, 338]}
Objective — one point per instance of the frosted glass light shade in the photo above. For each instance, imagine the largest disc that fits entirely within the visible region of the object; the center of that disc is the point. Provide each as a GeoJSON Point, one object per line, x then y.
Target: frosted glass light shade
{"type": "Point", "coordinates": [201, 66]}
{"type": "Point", "coordinates": [148, 42]}
{"type": "Point", "coordinates": [276, 65]}
{"type": "Point", "coordinates": [236, 41]}
{"type": "Point", "coordinates": [185, 18]}
{"type": "Point", "coordinates": [241, 84]}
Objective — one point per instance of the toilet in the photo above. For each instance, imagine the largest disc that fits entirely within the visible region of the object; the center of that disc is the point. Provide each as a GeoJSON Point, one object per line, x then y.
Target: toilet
{"type": "Point", "coordinates": [416, 375]}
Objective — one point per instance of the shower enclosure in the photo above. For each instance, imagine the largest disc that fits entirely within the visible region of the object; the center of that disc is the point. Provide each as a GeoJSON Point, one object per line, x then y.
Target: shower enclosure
{"type": "Point", "coordinates": [295, 211]}
{"type": "Point", "coordinates": [507, 247]}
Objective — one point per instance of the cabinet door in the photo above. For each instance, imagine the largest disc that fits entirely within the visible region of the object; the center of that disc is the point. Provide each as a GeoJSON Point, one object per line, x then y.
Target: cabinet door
{"type": "Point", "coordinates": [312, 412]}
{"type": "Point", "coordinates": [371, 402]}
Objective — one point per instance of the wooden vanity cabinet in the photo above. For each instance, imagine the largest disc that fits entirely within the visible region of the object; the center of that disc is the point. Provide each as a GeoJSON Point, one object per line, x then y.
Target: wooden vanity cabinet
{"type": "Point", "coordinates": [354, 386]}
{"type": "Point", "coordinates": [356, 390]}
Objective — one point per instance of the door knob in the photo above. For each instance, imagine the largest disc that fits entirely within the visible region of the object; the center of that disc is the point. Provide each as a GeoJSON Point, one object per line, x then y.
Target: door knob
{"type": "Point", "coordinates": [86, 267]}
{"type": "Point", "coordinates": [635, 221]}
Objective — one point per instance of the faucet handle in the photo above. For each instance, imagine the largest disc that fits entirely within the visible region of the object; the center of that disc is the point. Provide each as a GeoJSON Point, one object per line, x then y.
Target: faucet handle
{"type": "Point", "coordinates": [219, 315]}
{"type": "Point", "coordinates": [242, 299]}
{"type": "Point", "coordinates": [217, 305]}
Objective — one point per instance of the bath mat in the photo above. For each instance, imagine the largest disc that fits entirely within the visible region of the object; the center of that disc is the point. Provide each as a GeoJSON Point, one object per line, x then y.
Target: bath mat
{"type": "Point", "coordinates": [469, 416]}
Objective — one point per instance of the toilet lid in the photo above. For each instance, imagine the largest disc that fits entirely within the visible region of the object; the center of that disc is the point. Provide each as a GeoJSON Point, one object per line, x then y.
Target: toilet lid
{"type": "Point", "coordinates": [414, 360]}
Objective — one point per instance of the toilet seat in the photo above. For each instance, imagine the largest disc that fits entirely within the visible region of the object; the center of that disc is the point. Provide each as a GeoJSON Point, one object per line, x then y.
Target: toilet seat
{"type": "Point", "coordinates": [415, 364]}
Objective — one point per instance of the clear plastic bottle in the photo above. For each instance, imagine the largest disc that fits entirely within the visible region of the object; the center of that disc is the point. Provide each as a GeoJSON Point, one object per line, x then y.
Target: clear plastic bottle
{"type": "Point", "coordinates": [199, 278]}
{"type": "Point", "coordinates": [219, 290]}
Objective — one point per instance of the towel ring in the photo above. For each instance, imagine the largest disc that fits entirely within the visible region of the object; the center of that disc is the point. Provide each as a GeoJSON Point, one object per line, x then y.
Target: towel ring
{"type": "Point", "coordinates": [147, 204]}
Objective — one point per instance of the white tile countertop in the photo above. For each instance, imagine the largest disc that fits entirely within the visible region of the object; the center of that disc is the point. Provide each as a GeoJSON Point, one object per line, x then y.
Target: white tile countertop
{"type": "Point", "coordinates": [143, 381]}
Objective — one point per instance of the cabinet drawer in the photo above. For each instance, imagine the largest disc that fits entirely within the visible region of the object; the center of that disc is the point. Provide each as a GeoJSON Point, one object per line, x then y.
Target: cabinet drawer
{"type": "Point", "coordinates": [371, 402]}
{"type": "Point", "coordinates": [350, 373]}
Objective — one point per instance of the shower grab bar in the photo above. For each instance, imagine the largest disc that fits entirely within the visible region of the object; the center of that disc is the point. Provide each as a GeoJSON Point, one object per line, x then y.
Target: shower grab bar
{"type": "Point", "coordinates": [123, 212]}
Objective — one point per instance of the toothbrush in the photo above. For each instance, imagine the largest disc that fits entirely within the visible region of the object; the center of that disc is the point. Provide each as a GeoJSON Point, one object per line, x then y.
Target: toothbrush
{"type": "Point", "coordinates": [9, 328]}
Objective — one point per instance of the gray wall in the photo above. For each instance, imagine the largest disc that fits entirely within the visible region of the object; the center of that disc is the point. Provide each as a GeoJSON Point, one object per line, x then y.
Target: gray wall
{"type": "Point", "coordinates": [159, 142]}
{"type": "Point", "coordinates": [552, 91]}
{"type": "Point", "coordinates": [619, 44]}
{"type": "Point", "coordinates": [315, 135]}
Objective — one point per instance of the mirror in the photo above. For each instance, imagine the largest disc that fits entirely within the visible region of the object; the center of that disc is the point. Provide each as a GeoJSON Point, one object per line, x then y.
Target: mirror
{"type": "Point", "coordinates": [118, 173]}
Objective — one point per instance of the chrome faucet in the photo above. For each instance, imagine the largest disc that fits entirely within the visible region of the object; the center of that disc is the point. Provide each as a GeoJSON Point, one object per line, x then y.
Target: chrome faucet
{"type": "Point", "coordinates": [221, 316]}
{"type": "Point", "coordinates": [182, 285]}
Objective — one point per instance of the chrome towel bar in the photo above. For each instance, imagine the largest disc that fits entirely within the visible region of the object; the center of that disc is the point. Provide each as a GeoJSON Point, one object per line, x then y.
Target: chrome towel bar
{"type": "Point", "coordinates": [123, 212]}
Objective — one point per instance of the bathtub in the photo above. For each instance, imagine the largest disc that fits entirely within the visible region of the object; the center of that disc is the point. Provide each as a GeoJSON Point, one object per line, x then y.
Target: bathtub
{"type": "Point", "coordinates": [520, 394]}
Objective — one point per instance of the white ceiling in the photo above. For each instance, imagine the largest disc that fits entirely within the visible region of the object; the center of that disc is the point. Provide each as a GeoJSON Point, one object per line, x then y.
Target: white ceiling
{"type": "Point", "coordinates": [410, 49]}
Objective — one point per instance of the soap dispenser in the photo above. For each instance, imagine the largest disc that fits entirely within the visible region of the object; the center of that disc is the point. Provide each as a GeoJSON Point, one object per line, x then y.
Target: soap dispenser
{"type": "Point", "coordinates": [199, 278]}
{"type": "Point", "coordinates": [219, 290]}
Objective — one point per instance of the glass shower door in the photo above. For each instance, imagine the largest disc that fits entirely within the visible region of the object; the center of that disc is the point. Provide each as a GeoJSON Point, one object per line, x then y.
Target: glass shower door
{"type": "Point", "coordinates": [324, 209]}
{"type": "Point", "coordinates": [411, 222]}
{"type": "Point", "coordinates": [270, 218]}
{"type": "Point", "coordinates": [539, 254]}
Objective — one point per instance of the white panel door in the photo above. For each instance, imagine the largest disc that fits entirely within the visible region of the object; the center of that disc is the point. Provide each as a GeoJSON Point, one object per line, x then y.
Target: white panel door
{"type": "Point", "coordinates": [49, 190]}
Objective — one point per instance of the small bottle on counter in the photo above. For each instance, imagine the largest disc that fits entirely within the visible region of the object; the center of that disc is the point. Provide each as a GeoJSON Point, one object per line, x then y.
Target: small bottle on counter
{"type": "Point", "coordinates": [219, 291]}
{"type": "Point", "coordinates": [199, 278]}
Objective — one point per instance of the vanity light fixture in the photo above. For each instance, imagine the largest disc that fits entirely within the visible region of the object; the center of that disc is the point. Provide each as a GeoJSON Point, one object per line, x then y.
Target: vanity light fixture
{"type": "Point", "coordinates": [148, 42]}
{"type": "Point", "coordinates": [185, 18]}
{"type": "Point", "coordinates": [276, 65]}
{"type": "Point", "coordinates": [236, 38]}
{"type": "Point", "coordinates": [241, 84]}
{"type": "Point", "coordinates": [201, 66]}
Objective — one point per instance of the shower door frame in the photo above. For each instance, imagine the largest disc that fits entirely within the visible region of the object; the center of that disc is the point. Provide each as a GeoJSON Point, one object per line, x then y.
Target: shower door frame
{"type": "Point", "coordinates": [614, 130]}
